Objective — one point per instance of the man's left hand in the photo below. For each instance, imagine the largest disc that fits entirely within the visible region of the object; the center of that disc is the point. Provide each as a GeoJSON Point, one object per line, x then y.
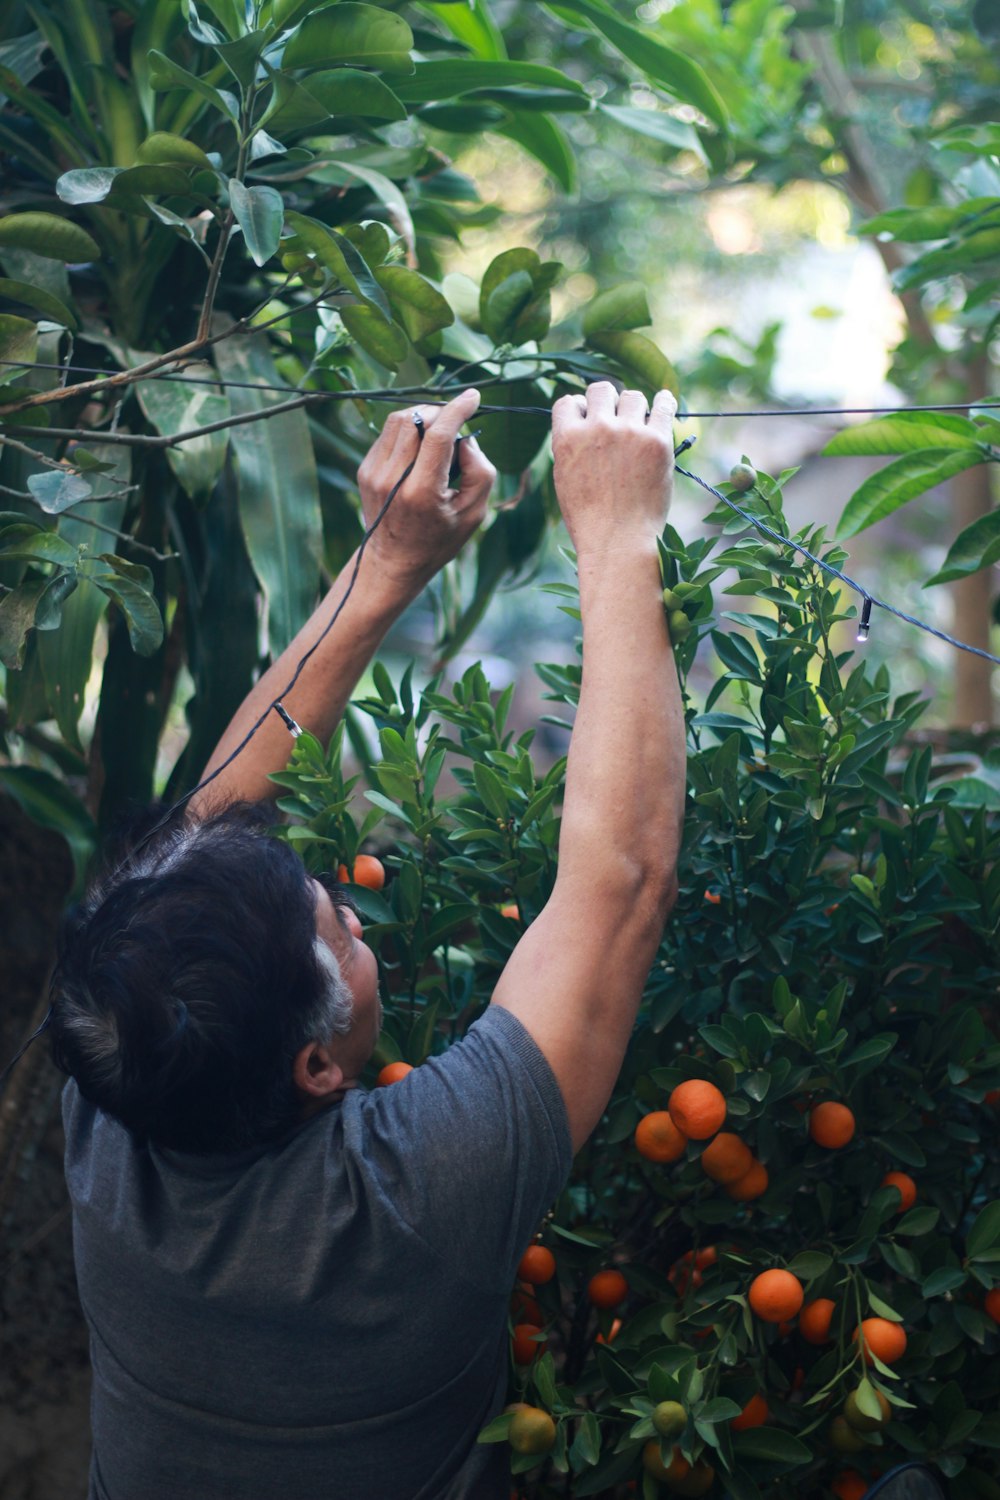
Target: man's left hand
{"type": "Point", "coordinates": [430, 519]}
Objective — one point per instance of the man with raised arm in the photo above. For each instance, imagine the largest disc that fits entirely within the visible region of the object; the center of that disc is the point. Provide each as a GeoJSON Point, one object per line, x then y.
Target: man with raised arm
{"type": "Point", "coordinates": [295, 1287]}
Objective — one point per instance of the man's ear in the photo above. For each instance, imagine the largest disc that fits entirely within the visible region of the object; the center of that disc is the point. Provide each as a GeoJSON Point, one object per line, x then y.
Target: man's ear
{"type": "Point", "coordinates": [316, 1072]}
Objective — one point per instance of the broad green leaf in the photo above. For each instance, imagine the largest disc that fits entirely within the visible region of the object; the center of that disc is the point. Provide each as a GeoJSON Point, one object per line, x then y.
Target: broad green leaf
{"type": "Point", "coordinates": [974, 250]}
{"type": "Point", "coordinates": [164, 149]}
{"type": "Point", "coordinates": [918, 1221]}
{"type": "Point", "coordinates": [474, 25]}
{"type": "Point", "coordinates": [18, 339]}
{"type": "Point", "coordinates": [935, 222]}
{"type": "Point", "coordinates": [350, 33]}
{"type": "Point", "coordinates": [641, 362]}
{"type": "Point", "coordinates": [165, 74]}
{"type": "Point", "coordinates": [978, 546]}
{"type": "Point", "coordinates": [260, 213]}
{"type": "Point", "coordinates": [620, 307]}
{"type": "Point", "coordinates": [36, 297]}
{"type": "Point", "coordinates": [382, 339]}
{"type": "Point", "coordinates": [230, 14]}
{"type": "Point", "coordinates": [56, 490]}
{"type": "Point", "coordinates": [809, 1264]}
{"type": "Point", "coordinates": [96, 184]}
{"type": "Point", "coordinates": [173, 407]}
{"type": "Point", "coordinates": [511, 441]}
{"type": "Point", "coordinates": [657, 125]}
{"type": "Point", "coordinates": [66, 656]}
{"type": "Point", "coordinates": [17, 617]}
{"type": "Point", "coordinates": [542, 138]}
{"type": "Point", "coordinates": [985, 1232]}
{"type": "Point", "coordinates": [130, 587]}
{"type": "Point", "coordinates": [773, 1445]}
{"type": "Point", "coordinates": [671, 69]}
{"type": "Point", "coordinates": [278, 492]}
{"type": "Point", "coordinates": [242, 56]}
{"type": "Point", "coordinates": [944, 1279]}
{"type": "Point", "coordinates": [30, 544]}
{"type": "Point", "coordinates": [900, 481]}
{"type": "Point", "coordinates": [344, 260]}
{"type": "Point", "coordinates": [48, 235]}
{"type": "Point", "coordinates": [86, 184]}
{"type": "Point", "coordinates": [446, 78]}
{"type": "Point", "coordinates": [420, 307]}
{"type": "Point", "coordinates": [50, 803]}
{"type": "Point", "coordinates": [905, 432]}
{"type": "Point", "coordinates": [389, 195]}
{"type": "Point", "coordinates": [310, 103]}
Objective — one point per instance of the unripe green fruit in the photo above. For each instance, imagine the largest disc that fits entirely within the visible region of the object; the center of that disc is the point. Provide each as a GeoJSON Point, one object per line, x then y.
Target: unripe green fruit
{"type": "Point", "coordinates": [314, 276]}
{"type": "Point", "coordinates": [861, 1421]}
{"type": "Point", "coordinates": [685, 590]}
{"type": "Point", "coordinates": [679, 625]}
{"type": "Point", "coordinates": [742, 477]}
{"type": "Point", "coordinates": [294, 260]}
{"type": "Point", "coordinates": [671, 599]}
{"type": "Point", "coordinates": [845, 1438]}
{"type": "Point", "coordinates": [669, 1418]}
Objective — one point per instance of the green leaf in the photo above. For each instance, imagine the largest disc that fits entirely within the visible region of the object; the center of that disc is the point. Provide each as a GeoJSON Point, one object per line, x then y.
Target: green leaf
{"type": "Point", "coordinates": [935, 222]}
{"type": "Point", "coordinates": [985, 1232]}
{"type": "Point", "coordinates": [511, 440]}
{"type": "Point", "coordinates": [639, 360]}
{"type": "Point", "coordinates": [620, 307]}
{"type": "Point", "coordinates": [420, 307]}
{"type": "Point", "coordinates": [672, 70]}
{"type": "Point", "coordinates": [130, 587]}
{"type": "Point", "coordinates": [57, 489]}
{"type": "Point", "coordinates": [66, 657]}
{"type": "Point", "coordinates": [542, 138]}
{"type": "Point", "coordinates": [28, 542]}
{"type": "Point", "coordinates": [918, 1221]}
{"type": "Point", "coordinates": [944, 1279]}
{"type": "Point", "coordinates": [978, 546]}
{"type": "Point", "coordinates": [173, 407]}
{"type": "Point", "coordinates": [49, 236]}
{"type": "Point", "coordinates": [350, 33]}
{"type": "Point", "coordinates": [41, 300]}
{"type": "Point", "coordinates": [311, 102]}
{"type": "Point", "coordinates": [905, 432]}
{"type": "Point", "coordinates": [278, 492]}
{"type": "Point", "coordinates": [17, 617]}
{"type": "Point", "coordinates": [382, 339]}
{"type": "Point", "coordinates": [165, 74]}
{"type": "Point", "coordinates": [446, 78]}
{"type": "Point", "coordinates": [340, 257]}
{"type": "Point", "coordinates": [50, 803]}
{"type": "Point", "coordinates": [772, 1445]}
{"type": "Point", "coordinates": [899, 482]}
{"type": "Point", "coordinates": [656, 125]}
{"type": "Point", "coordinates": [162, 148]}
{"type": "Point", "coordinates": [473, 24]}
{"type": "Point", "coordinates": [260, 213]}
{"type": "Point", "coordinates": [810, 1264]}
{"type": "Point", "coordinates": [18, 339]}
{"type": "Point", "coordinates": [882, 1308]}
{"type": "Point", "coordinates": [388, 194]}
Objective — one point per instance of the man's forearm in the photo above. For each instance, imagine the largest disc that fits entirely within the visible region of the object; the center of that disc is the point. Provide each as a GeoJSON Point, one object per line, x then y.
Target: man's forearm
{"type": "Point", "coordinates": [319, 697]}
{"type": "Point", "coordinates": [625, 780]}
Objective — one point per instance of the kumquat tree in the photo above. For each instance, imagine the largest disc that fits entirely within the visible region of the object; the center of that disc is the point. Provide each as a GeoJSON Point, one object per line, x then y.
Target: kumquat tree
{"type": "Point", "coordinates": [232, 237]}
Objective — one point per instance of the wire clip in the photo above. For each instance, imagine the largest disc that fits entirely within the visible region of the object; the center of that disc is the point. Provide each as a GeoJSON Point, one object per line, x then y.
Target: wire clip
{"type": "Point", "coordinates": [864, 624]}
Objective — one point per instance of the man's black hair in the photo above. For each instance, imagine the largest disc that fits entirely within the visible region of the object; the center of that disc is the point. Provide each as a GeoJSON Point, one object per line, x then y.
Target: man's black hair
{"type": "Point", "coordinates": [188, 981]}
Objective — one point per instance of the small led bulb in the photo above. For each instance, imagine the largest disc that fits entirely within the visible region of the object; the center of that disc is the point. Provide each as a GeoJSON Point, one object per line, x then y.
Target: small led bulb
{"type": "Point", "coordinates": [864, 624]}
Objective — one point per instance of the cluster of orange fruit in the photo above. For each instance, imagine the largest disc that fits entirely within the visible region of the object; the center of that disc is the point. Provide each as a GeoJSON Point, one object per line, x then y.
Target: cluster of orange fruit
{"type": "Point", "coordinates": [696, 1111]}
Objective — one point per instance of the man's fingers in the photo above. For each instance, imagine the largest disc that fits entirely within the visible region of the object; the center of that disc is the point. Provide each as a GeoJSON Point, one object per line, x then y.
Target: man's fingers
{"type": "Point", "coordinates": [569, 411]}
{"type": "Point", "coordinates": [476, 473]}
{"type": "Point", "coordinates": [602, 399]}
{"type": "Point", "coordinates": [441, 427]}
{"type": "Point", "coordinates": [663, 411]}
{"type": "Point", "coordinates": [632, 408]}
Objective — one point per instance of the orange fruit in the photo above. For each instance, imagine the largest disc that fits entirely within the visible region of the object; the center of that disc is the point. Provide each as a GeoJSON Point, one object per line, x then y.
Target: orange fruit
{"type": "Point", "coordinates": [613, 1333]}
{"type": "Point", "coordinates": [750, 1185]}
{"type": "Point", "coordinates": [657, 1138]}
{"type": "Point", "coordinates": [392, 1073]}
{"type": "Point", "coordinates": [713, 898]}
{"type": "Point", "coordinates": [511, 910]}
{"type": "Point", "coordinates": [727, 1159]}
{"type": "Point", "coordinates": [907, 1188]}
{"type": "Point", "coordinates": [814, 1320]}
{"type": "Point", "coordinates": [887, 1341]}
{"type": "Point", "coordinates": [537, 1265]}
{"type": "Point", "coordinates": [698, 1482]}
{"type": "Point", "coordinates": [607, 1289]}
{"type": "Point", "coordinates": [700, 1259]}
{"type": "Point", "coordinates": [697, 1108]}
{"type": "Point", "coordinates": [991, 1304]}
{"type": "Point", "coordinates": [850, 1485]}
{"type": "Point", "coordinates": [368, 871]}
{"type": "Point", "coordinates": [831, 1124]}
{"type": "Point", "coordinates": [754, 1414]}
{"type": "Point", "coordinates": [532, 1430]}
{"type": "Point", "coordinates": [524, 1345]}
{"type": "Point", "coordinates": [775, 1295]}
{"type": "Point", "coordinates": [678, 1467]}
{"type": "Point", "coordinates": [684, 1277]}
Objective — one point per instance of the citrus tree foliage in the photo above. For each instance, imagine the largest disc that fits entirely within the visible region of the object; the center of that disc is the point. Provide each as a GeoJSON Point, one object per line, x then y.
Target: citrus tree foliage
{"type": "Point", "coordinates": [834, 942]}
{"type": "Point", "coordinates": [232, 212]}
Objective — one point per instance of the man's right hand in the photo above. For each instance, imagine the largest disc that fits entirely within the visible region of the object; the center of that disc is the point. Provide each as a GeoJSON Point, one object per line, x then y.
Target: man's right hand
{"type": "Point", "coordinates": [614, 467]}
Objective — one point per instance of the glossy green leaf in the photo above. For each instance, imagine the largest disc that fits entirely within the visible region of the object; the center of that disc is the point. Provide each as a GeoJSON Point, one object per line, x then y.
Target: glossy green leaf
{"type": "Point", "coordinates": [17, 617]}
{"type": "Point", "coordinates": [389, 195]}
{"type": "Point", "coordinates": [935, 222]}
{"type": "Point", "coordinates": [904, 432]}
{"type": "Point", "coordinates": [173, 407]}
{"type": "Point", "coordinates": [31, 544]}
{"type": "Point", "coordinates": [511, 441]}
{"type": "Point", "coordinates": [985, 1232]}
{"type": "Point", "coordinates": [474, 25]}
{"type": "Point", "coordinates": [42, 301]}
{"type": "Point", "coordinates": [18, 339]}
{"type": "Point", "coordinates": [446, 78]}
{"type": "Point", "coordinates": [656, 125]}
{"type": "Point", "coordinates": [640, 361]}
{"type": "Point", "coordinates": [671, 69]}
{"type": "Point", "coordinates": [542, 138]}
{"type": "Point", "coordinates": [165, 74]}
{"type": "Point", "coordinates": [342, 258]}
{"type": "Point", "coordinates": [56, 490]}
{"type": "Point", "coordinates": [48, 235]}
{"type": "Point", "coordinates": [382, 339]}
{"type": "Point", "coordinates": [130, 587]}
{"type": "Point", "coordinates": [309, 103]}
{"type": "Point", "coordinates": [900, 481]}
{"type": "Point", "coordinates": [165, 149]}
{"type": "Point", "coordinates": [978, 546]}
{"type": "Point", "coordinates": [278, 492]}
{"type": "Point", "coordinates": [620, 307]}
{"type": "Point", "coordinates": [260, 213]}
{"type": "Point", "coordinates": [350, 33]}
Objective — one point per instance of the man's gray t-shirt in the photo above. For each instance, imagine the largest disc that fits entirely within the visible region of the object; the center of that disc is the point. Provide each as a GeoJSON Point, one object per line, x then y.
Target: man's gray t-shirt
{"type": "Point", "coordinates": [324, 1319]}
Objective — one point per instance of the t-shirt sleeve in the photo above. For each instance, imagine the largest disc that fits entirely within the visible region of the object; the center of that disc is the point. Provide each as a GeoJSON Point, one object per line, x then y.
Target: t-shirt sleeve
{"type": "Point", "coordinates": [471, 1148]}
